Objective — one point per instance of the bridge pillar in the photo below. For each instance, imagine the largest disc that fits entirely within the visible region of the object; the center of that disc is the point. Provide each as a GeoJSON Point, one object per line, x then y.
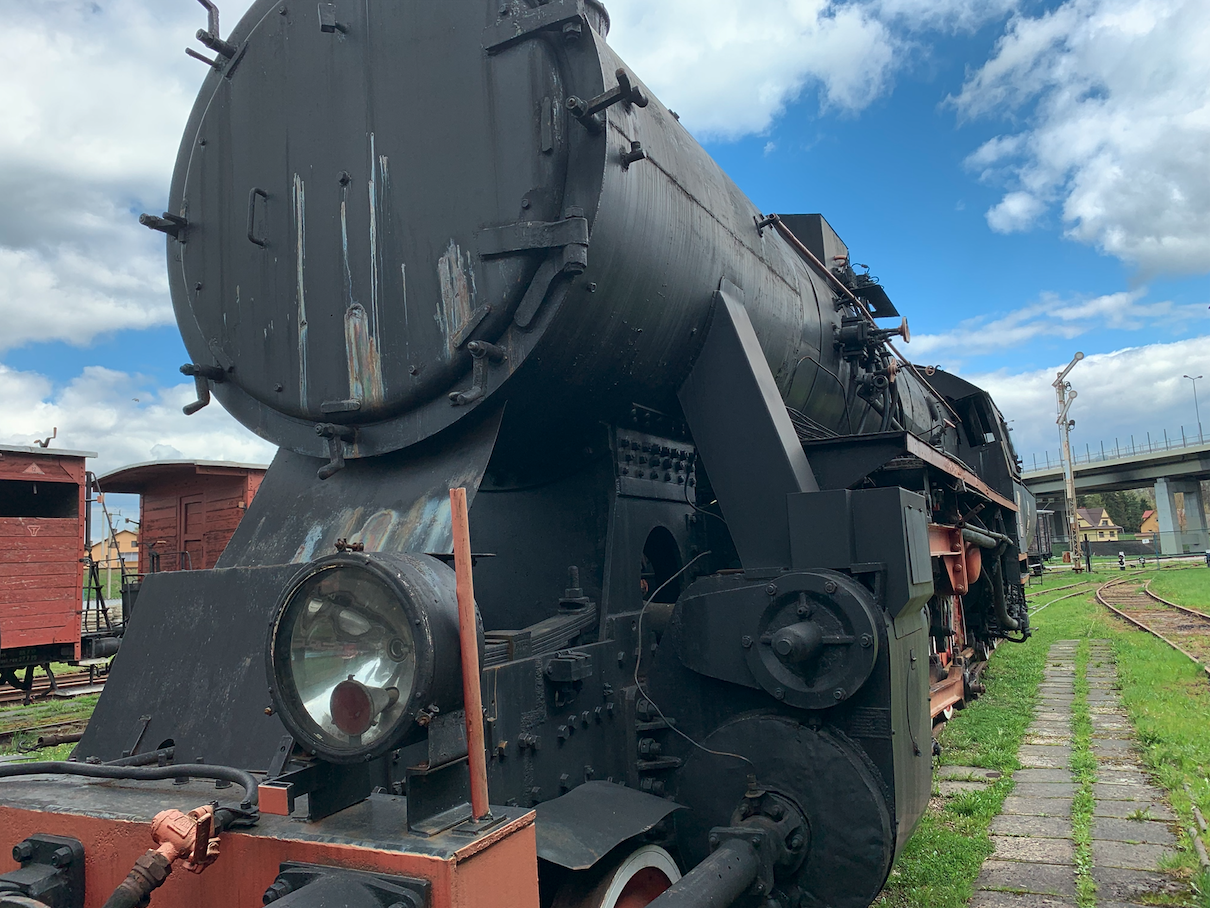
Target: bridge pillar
{"type": "Point", "coordinates": [1194, 537]}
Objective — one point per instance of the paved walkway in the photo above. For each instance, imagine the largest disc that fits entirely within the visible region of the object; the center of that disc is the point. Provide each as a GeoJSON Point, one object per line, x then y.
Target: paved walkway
{"type": "Point", "coordinates": [1034, 865]}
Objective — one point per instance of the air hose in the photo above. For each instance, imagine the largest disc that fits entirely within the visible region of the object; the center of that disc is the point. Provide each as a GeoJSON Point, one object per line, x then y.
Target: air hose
{"type": "Point", "coordinates": [140, 774]}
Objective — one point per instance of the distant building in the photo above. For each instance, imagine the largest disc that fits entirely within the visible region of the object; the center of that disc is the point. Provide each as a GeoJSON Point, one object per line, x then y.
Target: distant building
{"type": "Point", "coordinates": [1150, 524]}
{"type": "Point", "coordinates": [188, 509]}
{"type": "Point", "coordinates": [1096, 524]}
{"type": "Point", "coordinates": [105, 553]}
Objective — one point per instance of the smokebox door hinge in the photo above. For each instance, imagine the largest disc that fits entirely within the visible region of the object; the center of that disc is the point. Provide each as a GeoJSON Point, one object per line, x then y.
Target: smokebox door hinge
{"type": "Point", "coordinates": [512, 28]}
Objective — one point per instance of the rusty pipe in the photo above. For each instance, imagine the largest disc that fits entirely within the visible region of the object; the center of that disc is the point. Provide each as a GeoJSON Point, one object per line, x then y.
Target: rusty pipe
{"type": "Point", "coordinates": [472, 692]}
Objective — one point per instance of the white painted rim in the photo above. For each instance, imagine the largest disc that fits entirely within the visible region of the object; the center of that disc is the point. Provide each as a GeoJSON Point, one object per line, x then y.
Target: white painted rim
{"type": "Point", "coordinates": [639, 859]}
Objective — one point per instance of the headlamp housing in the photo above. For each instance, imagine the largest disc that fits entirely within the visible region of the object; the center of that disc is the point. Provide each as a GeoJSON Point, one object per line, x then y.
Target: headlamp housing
{"type": "Point", "coordinates": [360, 648]}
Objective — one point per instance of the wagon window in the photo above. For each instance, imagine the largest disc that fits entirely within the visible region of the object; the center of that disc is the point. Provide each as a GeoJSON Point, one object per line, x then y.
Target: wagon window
{"type": "Point", "coordinates": [39, 499]}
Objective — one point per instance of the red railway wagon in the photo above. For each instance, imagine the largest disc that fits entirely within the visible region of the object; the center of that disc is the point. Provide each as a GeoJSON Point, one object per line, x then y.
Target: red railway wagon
{"type": "Point", "coordinates": [188, 509]}
{"type": "Point", "coordinates": [43, 534]}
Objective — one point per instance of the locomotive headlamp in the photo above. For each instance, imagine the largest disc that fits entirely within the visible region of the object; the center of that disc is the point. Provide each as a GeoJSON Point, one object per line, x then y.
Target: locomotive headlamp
{"type": "Point", "coordinates": [361, 648]}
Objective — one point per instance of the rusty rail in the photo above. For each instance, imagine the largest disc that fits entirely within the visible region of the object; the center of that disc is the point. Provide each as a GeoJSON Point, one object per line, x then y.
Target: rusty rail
{"type": "Point", "coordinates": [1141, 626]}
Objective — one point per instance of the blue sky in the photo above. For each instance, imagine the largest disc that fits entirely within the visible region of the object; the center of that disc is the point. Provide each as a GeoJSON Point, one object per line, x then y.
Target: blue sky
{"type": "Point", "coordinates": [1027, 179]}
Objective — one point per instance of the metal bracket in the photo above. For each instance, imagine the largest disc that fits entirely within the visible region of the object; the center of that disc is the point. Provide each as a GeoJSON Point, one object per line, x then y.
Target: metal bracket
{"type": "Point", "coordinates": [171, 224]}
{"type": "Point", "coordinates": [327, 20]}
{"type": "Point", "coordinates": [202, 377]}
{"type": "Point", "coordinates": [336, 436]}
{"type": "Point", "coordinates": [513, 29]}
{"type": "Point", "coordinates": [482, 353]}
{"type": "Point", "coordinates": [626, 92]}
{"type": "Point", "coordinates": [526, 236]}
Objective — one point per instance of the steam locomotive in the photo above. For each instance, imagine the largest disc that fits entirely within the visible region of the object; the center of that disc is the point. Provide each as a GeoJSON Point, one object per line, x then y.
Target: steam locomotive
{"type": "Point", "coordinates": [731, 552]}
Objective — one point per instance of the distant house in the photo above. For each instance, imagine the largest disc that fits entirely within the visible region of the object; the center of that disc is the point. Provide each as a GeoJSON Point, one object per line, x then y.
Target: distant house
{"type": "Point", "coordinates": [105, 553]}
{"type": "Point", "coordinates": [1096, 524]}
{"type": "Point", "coordinates": [1150, 524]}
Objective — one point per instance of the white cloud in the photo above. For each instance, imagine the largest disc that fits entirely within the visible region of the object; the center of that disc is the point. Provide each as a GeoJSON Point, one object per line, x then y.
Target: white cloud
{"type": "Point", "coordinates": [1119, 137]}
{"type": "Point", "coordinates": [1128, 392]}
{"type": "Point", "coordinates": [1053, 316]}
{"type": "Point", "coordinates": [121, 417]}
{"type": "Point", "coordinates": [95, 100]}
{"type": "Point", "coordinates": [1016, 211]}
{"type": "Point", "coordinates": [730, 68]}
{"type": "Point", "coordinates": [943, 15]}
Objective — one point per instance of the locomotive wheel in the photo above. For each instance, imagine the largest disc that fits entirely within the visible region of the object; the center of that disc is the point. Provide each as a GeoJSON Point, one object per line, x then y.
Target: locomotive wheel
{"type": "Point", "coordinates": [632, 882]}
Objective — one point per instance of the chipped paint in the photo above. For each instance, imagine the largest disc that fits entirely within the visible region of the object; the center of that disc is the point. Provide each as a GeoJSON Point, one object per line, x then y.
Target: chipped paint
{"type": "Point", "coordinates": [457, 278]}
{"type": "Point", "coordinates": [300, 247]}
{"type": "Point", "coordinates": [364, 361]}
{"type": "Point", "coordinates": [373, 198]}
{"type": "Point", "coordinates": [403, 268]}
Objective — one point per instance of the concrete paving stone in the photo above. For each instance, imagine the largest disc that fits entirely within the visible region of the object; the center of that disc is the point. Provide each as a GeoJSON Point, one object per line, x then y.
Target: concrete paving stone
{"type": "Point", "coordinates": [1149, 832]}
{"type": "Point", "coordinates": [1114, 883]}
{"type": "Point", "coordinates": [1113, 747]}
{"type": "Point", "coordinates": [1045, 789]}
{"type": "Point", "coordinates": [1127, 856]}
{"type": "Point", "coordinates": [1048, 739]}
{"type": "Point", "coordinates": [1042, 775]}
{"type": "Point", "coordinates": [1101, 904]}
{"type": "Point", "coordinates": [1105, 709]}
{"type": "Point", "coordinates": [1119, 791]}
{"type": "Point", "coordinates": [1037, 807]}
{"type": "Point", "coordinates": [1111, 766]}
{"type": "Point", "coordinates": [1053, 729]}
{"type": "Point", "coordinates": [1115, 775]}
{"type": "Point", "coordinates": [1044, 879]}
{"type": "Point", "coordinates": [1055, 699]}
{"type": "Point", "coordinates": [1122, 810]}
{"type": "Point", "coordinates": [1044, 756]}
{"type": "Point", "coordinates": [1035, 827]}
{"type": "Point", "coordinates": [987, 898]}
{"type": "Point", "coordinates": [951, 787]}
{"type": "Point", "coordinates": [969, 773]}
{"type": "Point", "coordinates": [1033, 850]}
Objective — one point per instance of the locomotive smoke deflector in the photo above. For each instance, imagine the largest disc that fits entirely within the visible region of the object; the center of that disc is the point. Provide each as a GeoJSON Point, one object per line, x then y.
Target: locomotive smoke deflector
{"type": "Point", "coordinates": [363, 650]}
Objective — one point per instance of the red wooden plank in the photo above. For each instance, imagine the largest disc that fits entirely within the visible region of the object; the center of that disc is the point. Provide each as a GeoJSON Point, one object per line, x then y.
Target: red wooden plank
{"type": "Point", "coordinates": [37, 528]}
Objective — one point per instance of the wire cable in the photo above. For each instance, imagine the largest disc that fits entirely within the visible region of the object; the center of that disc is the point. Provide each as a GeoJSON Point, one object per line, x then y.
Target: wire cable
{"type": "Point", "coordinates": [647, 696]}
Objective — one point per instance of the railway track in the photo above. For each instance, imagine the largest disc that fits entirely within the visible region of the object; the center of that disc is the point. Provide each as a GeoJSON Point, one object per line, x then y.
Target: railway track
{"type": "Point", "coordinates": [46, 735]}
{"type": "Point", "coordinates": [70, 684]}
{"type": "Point", "coordinates": [1184, 629]}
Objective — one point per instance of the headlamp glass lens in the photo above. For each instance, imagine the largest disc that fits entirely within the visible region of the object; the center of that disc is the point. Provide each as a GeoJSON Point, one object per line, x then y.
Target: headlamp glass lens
{"type": "Point", "coordinates": [351, 655]}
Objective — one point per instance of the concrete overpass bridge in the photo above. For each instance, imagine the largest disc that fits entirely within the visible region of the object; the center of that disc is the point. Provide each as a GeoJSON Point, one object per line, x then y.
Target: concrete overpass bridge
{"type": "Point", "coordinates": [1172, 468]}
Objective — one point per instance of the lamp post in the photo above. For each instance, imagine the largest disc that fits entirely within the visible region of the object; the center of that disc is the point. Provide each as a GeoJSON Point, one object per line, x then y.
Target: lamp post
{"type": "Point", "coordinates": [1066, 397]}
{"type": "Point", "coordinates": [1196, 410]}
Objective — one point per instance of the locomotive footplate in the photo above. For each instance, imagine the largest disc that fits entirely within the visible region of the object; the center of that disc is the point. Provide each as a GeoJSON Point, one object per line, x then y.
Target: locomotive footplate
{"type": "Point", "coordinates": [113, 821]}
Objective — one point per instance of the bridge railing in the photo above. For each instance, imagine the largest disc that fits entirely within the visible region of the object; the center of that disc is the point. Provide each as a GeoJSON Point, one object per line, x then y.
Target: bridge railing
{"type": "Point", "coordinates": [1150, 445]}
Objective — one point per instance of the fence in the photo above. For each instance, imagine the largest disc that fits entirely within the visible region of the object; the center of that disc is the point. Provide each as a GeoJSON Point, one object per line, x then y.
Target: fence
{"type": "Point", "coordinates": [1118, 451]}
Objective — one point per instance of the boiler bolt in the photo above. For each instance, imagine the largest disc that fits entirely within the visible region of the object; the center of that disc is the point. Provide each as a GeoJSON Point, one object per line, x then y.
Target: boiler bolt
{"type": "Point", "coordinates": [22, 852]}
{"type": "Point", "coordinates": [830, 586]}
{"type": "Point", "coordinates": [838, 693]}
{"type": "Point", "coordinates": [777, 812]}
{"type": "Point", "coordinates": [780, 693]}
{"type": "Point", "coordinates": [771, 589]}
{"type": "Point", "coordinates": [713, 841]}
{"type": "Point", "coordinates": [796, 842]}
{"type": "Point", "coordinates": [867, 640]}
{"type": "Point", "coordinates": [746, 641]}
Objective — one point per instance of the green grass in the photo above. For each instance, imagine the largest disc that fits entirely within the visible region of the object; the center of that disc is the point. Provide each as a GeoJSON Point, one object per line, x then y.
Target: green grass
{"type": "Point", "coordinates": [1166, 696]}
{"type": "Point", "coordinates": [1083, 775]}
{"type": "Point", "coordinates": [44, 712]}
{"type": "Point", "coordinates": [1190, 587]}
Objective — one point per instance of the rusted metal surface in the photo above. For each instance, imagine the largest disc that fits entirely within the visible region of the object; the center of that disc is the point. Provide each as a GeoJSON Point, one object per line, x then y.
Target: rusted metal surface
{"type": "Point", "coordinates": [468, 627]}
